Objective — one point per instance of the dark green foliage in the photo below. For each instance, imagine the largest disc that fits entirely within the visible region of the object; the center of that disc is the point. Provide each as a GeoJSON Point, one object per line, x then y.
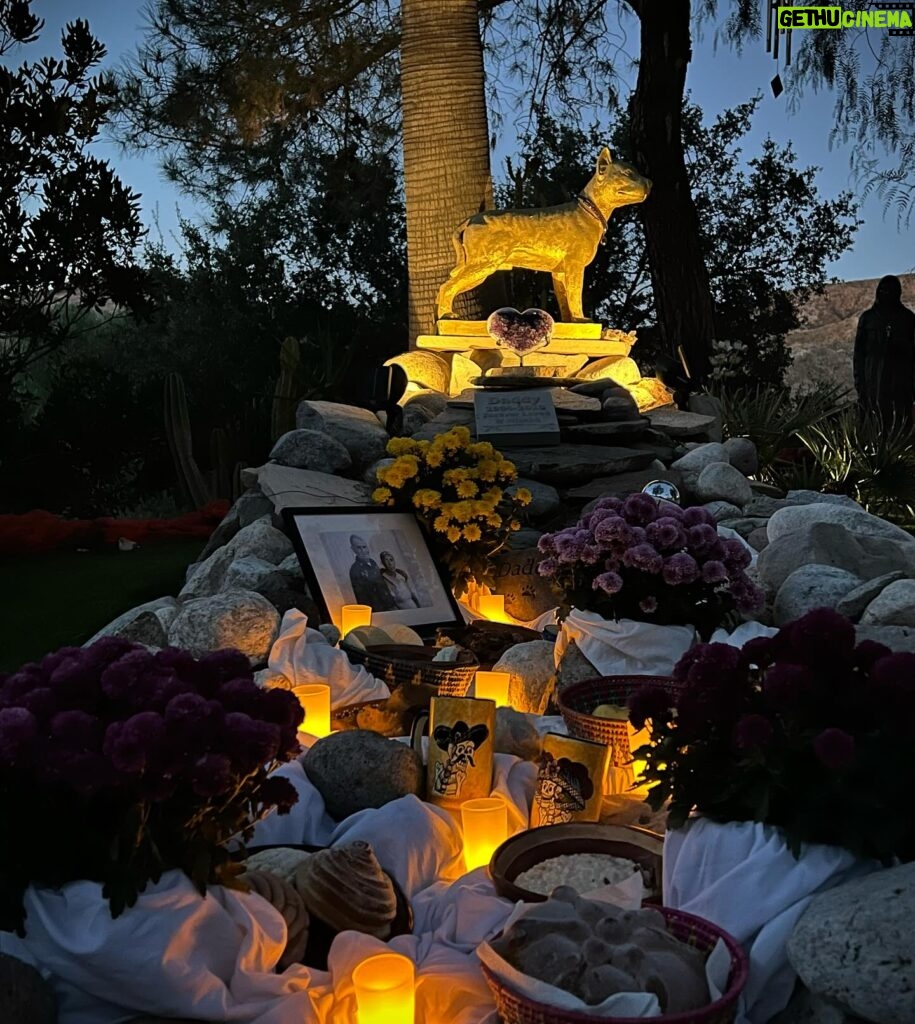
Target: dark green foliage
{"type": "Point", "coordinates": [68, 226]}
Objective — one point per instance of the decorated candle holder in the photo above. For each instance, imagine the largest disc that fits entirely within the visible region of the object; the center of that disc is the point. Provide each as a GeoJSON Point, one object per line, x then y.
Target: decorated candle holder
{"type": "Point", "coordinates": [485, 823]}
{"type": "Point", "coordinates": [385, 989]}
{"type": "Point", "coordinates": [315, 701]}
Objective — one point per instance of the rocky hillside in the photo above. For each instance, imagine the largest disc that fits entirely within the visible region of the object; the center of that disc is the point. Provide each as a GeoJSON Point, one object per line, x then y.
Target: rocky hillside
{"type": "Point", "coordinates": [823, 349]}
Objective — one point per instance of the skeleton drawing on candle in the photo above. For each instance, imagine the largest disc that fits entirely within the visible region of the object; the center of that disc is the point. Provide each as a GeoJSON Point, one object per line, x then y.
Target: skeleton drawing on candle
{"type": "Point", "coordinates": [459, 742]}
{"type": "Point", "coordinates": [563, 787]}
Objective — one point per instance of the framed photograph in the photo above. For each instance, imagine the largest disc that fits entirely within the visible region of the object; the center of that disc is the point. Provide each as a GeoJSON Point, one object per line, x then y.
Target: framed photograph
{"type": "Point", "coordinates": [374, 556]}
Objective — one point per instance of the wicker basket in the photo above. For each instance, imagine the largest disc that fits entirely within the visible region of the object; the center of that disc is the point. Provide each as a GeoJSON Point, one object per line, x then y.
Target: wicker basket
{"type": "Point", "coordinates": [515, 1008]}
{"type": "Point", "coordinates": [577, 701]}
{"type": "Point", "coordinates": [405, 665]}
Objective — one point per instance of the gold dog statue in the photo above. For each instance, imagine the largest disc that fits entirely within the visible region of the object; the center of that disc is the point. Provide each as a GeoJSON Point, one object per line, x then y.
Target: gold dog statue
{"type": "Point", "coordinates": [560, 239]}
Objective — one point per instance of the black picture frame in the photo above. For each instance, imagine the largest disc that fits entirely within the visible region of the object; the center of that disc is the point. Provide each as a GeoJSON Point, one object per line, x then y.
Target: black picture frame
{"type": "Point", "coordinates": [323, 541]}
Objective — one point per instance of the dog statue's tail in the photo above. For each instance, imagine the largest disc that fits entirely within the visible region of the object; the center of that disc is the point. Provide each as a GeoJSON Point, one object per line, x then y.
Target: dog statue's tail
{"type": "Point", "coordinates": [457, 240]}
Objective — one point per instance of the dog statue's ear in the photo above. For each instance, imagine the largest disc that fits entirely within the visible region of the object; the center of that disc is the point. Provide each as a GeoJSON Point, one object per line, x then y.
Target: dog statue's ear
{"type": "Point", "coordinates": [604, 160]}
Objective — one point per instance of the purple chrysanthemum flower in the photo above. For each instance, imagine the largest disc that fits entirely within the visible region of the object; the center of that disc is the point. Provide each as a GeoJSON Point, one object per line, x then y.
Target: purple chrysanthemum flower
{"type": "Point", "coordinates": [785, 686]}
{"type": "Point", "coordinates": [608, 582]}
{"type": "Point", "coordinates": [666, 533]}
{"type": "Point", "coordinates": [132, 744]}
{"type": "Point", "coordinates": [609, 504]}
{"type": "Point", "coordinates": [736, 554]}
{"type": "Point", "coordinates": [835, 749]}
{"type": "Point", "coordinates": [640, 509]}
{"type": "Point", "coordinates": [77, 729]}
{"type": "Point", "coordinates": [122, 679]}
{"type": "Point", "coordinates": [714, 572]}
{"type": "Point", "coordinates": [226, 664]}
{"type": "Point", "coordinates": [680, 569]}
{"type": "Point", "coordinates": [701, 539]}
{"type": "Point", "coordinates": [748, 597]}
{"type": "Point", "coordinates": [279, 792]}
{"type": "Point", "coordinates": [250, 743]}
{"type": "Point", "coordinates": [548, 567]}
{"type": "Point", "coordinates": [211, 775]}
{"type": "Point", "coordinates": [697, 516]}
{"type": "Point", "coordinates": [18, 731]}
{"type": "Point", "coordinates": [869, 652]}
{"type": "Point", "coordinates": [613, 532]}
{"type": "Point", "coordinates": [649, 605]}
{"type": "Point", "coordinates": [753, 733]}
{"type": "Point", "coordinates": [644, 558]}
{"type": "Point", "coordinates": [547, 544]}
{"type": "Point", "coordinates": [649, 702]}
{"type": "Point", "coordinates": [40, 702]}
{"type": "Point", "coordinates": [822, 636]}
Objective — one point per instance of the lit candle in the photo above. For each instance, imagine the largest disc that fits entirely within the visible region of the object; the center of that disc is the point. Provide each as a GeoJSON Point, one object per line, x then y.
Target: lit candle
{"type": "Point", "coordinates": [492, 607]}
{"type": "Point", "coordinates": [485, 827]}
{"type": "Point", "coordinates": [492, 686]}
{"type": "Point", "coordinates": [353, 616]}
{"type": "Point", "coordinates": [638, 738]}
{"type": "Point", "coordinates": [385, 987]}
{"type": "Point", "coordinates": [315, 699]}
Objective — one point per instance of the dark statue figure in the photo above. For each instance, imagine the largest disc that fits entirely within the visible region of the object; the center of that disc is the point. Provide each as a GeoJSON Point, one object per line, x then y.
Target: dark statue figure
{"type": "Point", "coordinates": [884, 360]}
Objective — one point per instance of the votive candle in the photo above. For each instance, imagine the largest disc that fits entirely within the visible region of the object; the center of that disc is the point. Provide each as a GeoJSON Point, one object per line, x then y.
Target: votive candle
{"type": "Point", "coordinates": [385, 989]}
{"type": "Point", "coordinates": [492, 686]}
{"type": "Point", "coordinates": [315, 699]}
{"type": "Point", "coordinates": [492, 607]}
{"type": "Point", "coordinates": [485, 824]}
{"type": "Point", "coordinates": [354, 616]}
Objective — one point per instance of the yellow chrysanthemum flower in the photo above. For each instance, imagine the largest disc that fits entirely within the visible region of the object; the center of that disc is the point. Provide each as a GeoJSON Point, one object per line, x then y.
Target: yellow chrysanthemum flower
{"type": "Point", "coordinates": [494, 520]}
{"type": "Point", "coordinates": [381, 495]}
{"type": "Point", "coordinates": [515, 525]}
{"type": "Point", "coordinates": [466, 489]}
{"type": "Point", "coordinates": [488, 469]}
{"type": "Point", "coordinates": [462, 511]}
{"type": "Point", "coordinates": [401, 445]}
{"type": "Point", "coordinates": [472, 532]}
{"type": "Point", "coordinates": [493, 495]}
{"type": "Point", "coordinates": [434, 457]}
{"type": "Point", "coordinates": [523, 496]}
{"type": "Point", "coordinates": [427, 498]}
{"type": "Point", "coordinates": [454, 534]}
{"type": "Point", "coordinates": [481, 450]}
{"type": "Point", "coordinates": [442, 523]}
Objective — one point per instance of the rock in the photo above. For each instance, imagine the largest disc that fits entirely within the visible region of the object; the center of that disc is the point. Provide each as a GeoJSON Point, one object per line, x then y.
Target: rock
{"type": "Point", "coordinates": [676, 423]}
{"type": "Point", "coordinates": [893, 606]}
{"type": "Point", "coordinates": [223, 533]}
{"type": "Point", "coordinates": [766, 490]}
{"type": "Point", "coordinates": [562, 365]}
{"type": "Point", "coordinates": [807, 1008]}
{"type": "Point", "coordinates": [720, 481]}
{"type": "Point", "coordinates": [745, 525]}
{"type": "Point", "coordinates": [856, 521]}
{"type": "Point", "coordinates": [897, 638]}
{"type": "Point", "coordinates": [604, 433]}
{"type": "Point", "coordinates": [651, 393]}
{"type": "Point", "coordinates": [358, 769]}
{"type": "Point", "coordinates": [763, 505]}
{"type": "Point", "coordinates": [853, 944]}
{"type": "Point", "coordinates": [563, 401]}
{"type": "Point", "coordinates": [619, 407]}
{"type": "Point", "coordinates": [516, 734]}
{"type": "Point", "coordinates": [524, 539]}
{"type": "Point", "coordinates": [205, 578]}
{"type": "Point", "coordinates": [708, 405]}
{"type": "Point", "coordinates": [330, 633]}
{"type": "Point", "coordinates": [758, 539]}
{"type": "Point", "coordinates": [463, 373]}
{"type": "Point", "coordinates": [357, 430]}
{"type": "Point", "coordinates": [370, 476]}
{"type": "Point", "coordinates": [804, 497]}
{"type": "Point", "coordinates": [429, 369]}
{"type": "Point", "coordinates": [623, 484]}
{"type": "Point", "coordinates": [854, 602]}
{"type": "Point", "coordinates": [742, 455]}
{"type": "Point", "coordinates": [533, 675]}
{"type": "Point", "coordinates": [620, 369]}
{"type": "Point", "coordinates": [433, 402]}
{"type": "Point", "coordinates": [527, 594]}
{"type": "Point", "coordinates": [25, 996]}
{"type": "Point", "coordinates": [690, 465]}
{"type": "Point", "coordinates": [137, 624]}
{"type": "Point", "coordinates": [574, 463]}
{"type": "Point", "coordinates": [288, 590]}
{"type": "Point", "coordinates": [247, 573]}
{"type": "Point", "coordinates": [831, 544]}
{"type": "Point", "coordinates": [415, 417]}
{"type": "Point", "coordinates": [235, 618]}
{"type": "Point", "coordinates": [545, 501]}
{"type": "Point", "coordinates": [809, 587]}
{"type": "Point", "coordinates": [311, 449]}
{"type": "Point", "coordinates": [304, 488]}
{"type": "Point", "coordinates": [721, 510]}
{"type": "Point", "coordinates": [573, 667]}
{"type": "Point", "coordinates": [460, 417]}
{"type": "Point", "coordinates": [291, 566]}
{"type": "Point", "coordinates": [252, 505]}
{"type": "Point", "coordinates": [261, 539]}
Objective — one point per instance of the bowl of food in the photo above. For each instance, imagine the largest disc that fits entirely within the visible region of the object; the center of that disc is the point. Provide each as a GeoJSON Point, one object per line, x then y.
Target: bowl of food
{"type": "Point", "coordinates": [584, 856]}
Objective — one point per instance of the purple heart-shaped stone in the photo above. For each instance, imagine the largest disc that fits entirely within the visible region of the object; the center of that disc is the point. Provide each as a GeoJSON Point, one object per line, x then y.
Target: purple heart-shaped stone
{"type": "Point", "coordinates": [521, 332]}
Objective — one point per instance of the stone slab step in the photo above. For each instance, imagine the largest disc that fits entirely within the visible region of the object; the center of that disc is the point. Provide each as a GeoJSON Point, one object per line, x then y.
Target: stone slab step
{"type": "Point", "coordinates": [558, 346]}
{"type": "Point", "coordinates": [575, 463]}
{"type": "Point", "coordinates": [477, 329]}
{"type": "Point", "coordinates": [677, 423]}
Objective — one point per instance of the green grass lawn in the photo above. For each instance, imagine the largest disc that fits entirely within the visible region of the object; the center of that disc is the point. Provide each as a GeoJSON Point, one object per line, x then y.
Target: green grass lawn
{"type": "Point", "coordinates": [51, 601]}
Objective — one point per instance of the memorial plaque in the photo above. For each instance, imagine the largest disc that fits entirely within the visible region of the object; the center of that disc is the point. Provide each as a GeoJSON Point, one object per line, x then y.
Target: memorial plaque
{"type": "Point", "coordinates": [527, 594]}
{"type": "Point", "coordinates": [516, 418]}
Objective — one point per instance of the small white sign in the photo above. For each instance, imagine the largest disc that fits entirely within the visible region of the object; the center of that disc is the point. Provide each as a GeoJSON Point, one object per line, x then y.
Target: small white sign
{"type": "Point", "coordinates": [516, 417]}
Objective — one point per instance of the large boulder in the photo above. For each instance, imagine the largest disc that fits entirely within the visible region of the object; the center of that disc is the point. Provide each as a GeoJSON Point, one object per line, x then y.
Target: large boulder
{"type": "Point", "coordinates": [690, 465]}
{"type": "Point", "coordinates": [358, 430]}
{"type": "Point", "coordinates": [356, 769]}
{"type": "Point", "coordinates": [235, 618]}
{"type": "Point", "coordinates": [855, 520]}
{"type": "Point", "coordinates": [893, 606]}
{"type": "Point", "coordinates": [573, 667]}
{"type": "Point", "coordinates": [803, 496]}
{"type": "Point", "coordinates": [831, 544]}
{"type": "Point", "coordinates": [25, 996]}
{"type": "Point", "coordinates": [809, 587]}
{"type": "Point", "coordinates": [545, 501]}
{"type": "Point", "coordinates": [619, 369]}
{"type": "Point", "coordinates": [262, 540]}
{"type": "Point", "coordinates": [720, 481]}
{"type": "Point", "coordinates": [428, 369]}
{"type": "Point", "coordinates": [742, 454]}
{"type": "Point", "coordinates": [206, 578]}
{"type": "Point", "coordinates": [677, 423]}
{"type": "Point", "coordinates": [533, 675]}
{"type": "Point", "coordinates": [721, 510]}
{"type": "Point", "coordinates": [311, 449]}
{"type": "Point", "coordinates": [853, 944]}
{"type": "Point", "coordinates": [575, 463]}
{"type": "Point", "coordinates": [145, 624]}
{"type": "Point", "coordinates": [855, 601]}
{"type": "Point", "coordinates": [897, 638]}
{"type": "Point", "coordinates": [304, 488]}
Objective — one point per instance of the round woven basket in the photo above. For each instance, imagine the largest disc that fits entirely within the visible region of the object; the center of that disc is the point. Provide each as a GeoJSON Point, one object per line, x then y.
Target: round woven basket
{"type": "Point", "coordinates": [576, 702]}
{"type": "Point", "coordinates": [515, 1008]}
{"type": "Point", "coordinates": [404, 665]}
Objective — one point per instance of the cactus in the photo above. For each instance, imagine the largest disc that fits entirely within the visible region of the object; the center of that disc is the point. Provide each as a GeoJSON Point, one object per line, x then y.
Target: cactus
{"type": "Point", "coordinates": [180, 442]}
{"type": "Point", "coordinates": [287, 391]}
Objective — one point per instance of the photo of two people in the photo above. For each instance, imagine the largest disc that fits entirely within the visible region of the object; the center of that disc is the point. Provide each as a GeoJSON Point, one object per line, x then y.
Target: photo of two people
{"type": "Point", "coordinates": [384, 586]}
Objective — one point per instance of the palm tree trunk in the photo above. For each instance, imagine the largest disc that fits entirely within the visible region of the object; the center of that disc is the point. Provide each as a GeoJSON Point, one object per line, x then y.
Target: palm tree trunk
{"type": "Point", "coordinates": [683, 298]}
{"type": "Point", "coordinates": [445, 144]}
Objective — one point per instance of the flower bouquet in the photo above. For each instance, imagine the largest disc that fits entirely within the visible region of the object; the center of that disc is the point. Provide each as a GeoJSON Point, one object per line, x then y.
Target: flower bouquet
{"type": "Point", "coordinates": [457, 490]}
{"type": "Point", "coordinates": [804, 731]}
{"type": "Point", "coordinates": [649, 561]}
{"type": "Point", "coordinates": [118, 764]}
